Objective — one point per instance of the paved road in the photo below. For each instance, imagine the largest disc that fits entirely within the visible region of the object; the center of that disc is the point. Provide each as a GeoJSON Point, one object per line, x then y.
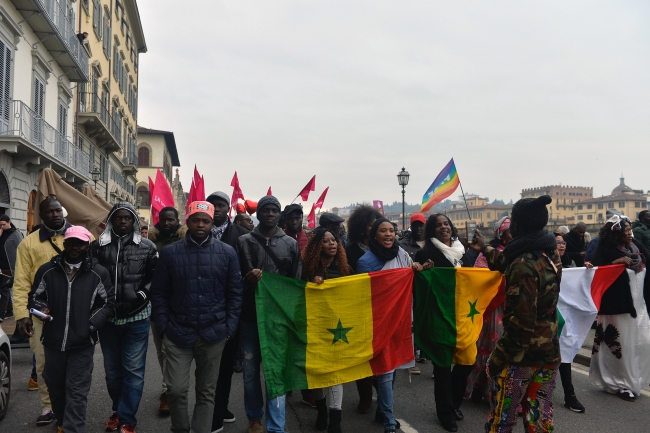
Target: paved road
{"type": "Point", "coordinates": [413, 406]}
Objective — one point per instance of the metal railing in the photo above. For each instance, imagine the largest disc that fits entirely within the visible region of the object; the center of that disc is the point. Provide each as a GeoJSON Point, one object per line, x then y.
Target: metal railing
{"type": "Point", "coordinates": [130, 159]}
{"type": "Point", "coordinates": [64, 25]}
{"type": "Point", "coordinates": [16, 118]}
{"type": "Point", "coordinates": [91, 103]}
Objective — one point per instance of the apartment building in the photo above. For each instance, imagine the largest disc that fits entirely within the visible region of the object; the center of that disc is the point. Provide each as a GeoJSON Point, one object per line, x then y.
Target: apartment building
{"type": "Point", "coordinates": [478, 210]}
{"type": "Point", "coordinates": [623, 198]}
{"type": "Point", "coordinates": [565, 198]}
{"type": "Point", "coordinates": [41, 63]}
{"type": "Point", "coordinates": [108, 102]}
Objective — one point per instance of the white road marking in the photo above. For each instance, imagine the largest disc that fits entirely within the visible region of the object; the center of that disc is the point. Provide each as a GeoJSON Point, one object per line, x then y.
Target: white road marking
{"type": "Point", "coordinates": [586, 373]}
{"type": "Point", "coordinates": [406, 427]}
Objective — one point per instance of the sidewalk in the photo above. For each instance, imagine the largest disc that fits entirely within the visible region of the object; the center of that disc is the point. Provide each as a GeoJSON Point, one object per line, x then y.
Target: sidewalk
{"type": "Point", "coordinates": [584, 355]}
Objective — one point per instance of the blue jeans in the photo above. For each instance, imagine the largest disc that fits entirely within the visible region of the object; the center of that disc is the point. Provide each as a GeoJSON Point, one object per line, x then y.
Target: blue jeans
{"type": "Point", "coordinates": [249, 342]}
{"type": "Point", "coordinates": [385, 398]}
{"type": "Point", "coordinates": [125, 353]}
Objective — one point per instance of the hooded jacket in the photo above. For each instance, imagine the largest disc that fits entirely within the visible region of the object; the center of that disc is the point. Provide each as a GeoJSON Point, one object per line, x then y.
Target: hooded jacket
{"type": "Point", "coordinates": [130, 260]}
{"type": "Point", "coordinates": [162, 241]}
{"type": "Point", "coordinates": [642, 233]}
{"type": "Point", "coordinates": [252, 256]}
{"type": "Point", "coordinates": [78, 307]}
{"type": "Point", "coordinates": [14, 237]}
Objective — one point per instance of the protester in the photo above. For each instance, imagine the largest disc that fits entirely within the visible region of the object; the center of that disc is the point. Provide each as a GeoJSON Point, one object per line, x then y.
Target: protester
{"type": "Point", "coordinates": [332, 222]}
{"type": "Point", "coordinates": [131, 261]}
{"type": "Point", "coordinates": [444, 249]}
{"type": "Point", "coordinates": [292, 218]}
{"type": "Point", "coordinates": [478, 386]}
{"type": "Point", "coordinates": [225, 231]}
{"type": "Point", "coordinates": [575, 244]}
{"type": "Point", "coordinates": [385, 253]}
{"type": "Point", "coordinates": [76, 292]}
{"type": "Point", "coordinates": [416, 241]}
{"type": "Point", "coordinates": [570, 399]}
{"type": "Point", "coordinates": [10, 238]}
{"type": "Point", "coordinates": [266, 249]}
{"type": "Point", "coordinates": [144, 231]}
{"type": "Point", "coordinates": [33, 252]}
{"type": "Point", "coordinates": [562, 230]}
{"type": "Point", "coordinates": [359, 224]}
{"type": "Point", "coordinates": [523, 365]}
{"type": "Point", "coordinates": [591, 247]}
{"type": "Point", "coordinates": [196, 296]}
{"type": "Point", "coordinates": [167, 231]}
{"type": "Point", "coordinates": [324, 258]}
{"type": "Point", "coordinates": [641, 228]}
{"type": "Point", "coordinates": [619, 361]}
{"type": "Point", "coordinates": [245, 221]}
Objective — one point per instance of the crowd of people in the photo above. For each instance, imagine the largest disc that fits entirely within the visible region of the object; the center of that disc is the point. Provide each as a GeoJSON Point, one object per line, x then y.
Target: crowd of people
{"type": "Point", "coordinates": [193, 286]}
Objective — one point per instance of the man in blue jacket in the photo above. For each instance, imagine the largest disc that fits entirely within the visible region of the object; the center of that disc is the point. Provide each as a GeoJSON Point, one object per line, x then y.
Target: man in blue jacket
{"type": "Point", "coordinates": [196, 296]}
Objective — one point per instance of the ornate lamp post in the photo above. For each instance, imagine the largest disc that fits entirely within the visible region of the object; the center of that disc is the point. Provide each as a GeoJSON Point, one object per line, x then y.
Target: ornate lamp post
{"type": "Point", "coordinates": [95, 175]}
{"type": "Point", "coordinates": [403, 180]}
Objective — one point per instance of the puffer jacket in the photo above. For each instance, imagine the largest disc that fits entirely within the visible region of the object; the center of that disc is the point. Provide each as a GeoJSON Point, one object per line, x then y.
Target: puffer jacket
{"type": "Point", "coordinates": [642, 233]}
{"type": "Point", "coordinates": [130, 260]}
{"type": "Point", "coordinates": [197, 291]}
{"type": "Point", "coordinates": [78, 307]}
{"type": "Point", "coordinates": [252, 256]}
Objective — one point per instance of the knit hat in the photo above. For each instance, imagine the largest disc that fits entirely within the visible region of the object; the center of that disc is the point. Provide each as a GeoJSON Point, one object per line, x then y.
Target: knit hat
{"type": "Point", "coordinates": [531, 213]}
{"type": "Point", "coordinates": [77, 232]}
{"type": "Point", "coordinates": [219, 195]}
{"type": "Point", "coordinates": [268, 200]}
{"type": "Point", "coordinates": [200, 207]}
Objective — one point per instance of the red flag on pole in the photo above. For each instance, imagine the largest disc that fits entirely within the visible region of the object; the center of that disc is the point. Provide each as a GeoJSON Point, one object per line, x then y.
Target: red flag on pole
{"type": "Point", "coordinates": [236, 193]}
{"type": "Point", "coordinates": [269, 192]}
{"type": "Point", "coordinates": [321, 199]}
{"type": "Point", "coordinates": [190, 197]}
{"type": "Point", "coordinates": [196, 177]}
{"type": "Point", "coordinates": [162, 196]}
{"type": "Point", "coordinates": [200, 190]}
{"type": "Point", "coordinates": [311, 186]}
{"type": "Point", "coordinates": [154, 214]}
{"type": "Point", "coordinates": [311, 218]}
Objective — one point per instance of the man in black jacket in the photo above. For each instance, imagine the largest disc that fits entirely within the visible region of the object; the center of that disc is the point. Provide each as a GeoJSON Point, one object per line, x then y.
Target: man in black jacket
{"type": "Point", "coordinates": [575, 244]}
{"type": "Point", "coordinates": [196, 297]}
{"type": "Point", "coordinates": [130, 260]}
{"type": "Point", "coordinates": [228, 233]}
{"type": "Point", "coordinates": [266, 249]}
{"type": "Point", "coordinates": [75, 291]}
{"type": "Point", "coordinates": [9, 240]}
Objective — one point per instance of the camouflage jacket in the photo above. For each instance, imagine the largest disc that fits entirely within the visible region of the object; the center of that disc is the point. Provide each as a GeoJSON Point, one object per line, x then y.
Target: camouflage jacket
{"type": "Point", "coordinates": [530, 316]}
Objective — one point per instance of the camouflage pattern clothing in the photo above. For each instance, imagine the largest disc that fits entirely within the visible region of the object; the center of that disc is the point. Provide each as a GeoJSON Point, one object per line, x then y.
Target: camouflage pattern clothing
{"type": "Point", "coordinates": [530, 317]}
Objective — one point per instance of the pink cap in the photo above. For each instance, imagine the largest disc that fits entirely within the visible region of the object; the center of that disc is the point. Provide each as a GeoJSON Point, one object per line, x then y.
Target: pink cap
{"type": "Point", "coordinates": [77, 232]}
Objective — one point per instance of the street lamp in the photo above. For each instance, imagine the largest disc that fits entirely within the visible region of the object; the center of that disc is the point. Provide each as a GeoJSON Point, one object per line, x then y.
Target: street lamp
{"type": "Point", "coordinates": [403, 180]}
{"type": "Point", "coordinates": [95, 174]}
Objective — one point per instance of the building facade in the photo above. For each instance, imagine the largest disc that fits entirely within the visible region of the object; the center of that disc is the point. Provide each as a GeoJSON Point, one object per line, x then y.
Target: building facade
{"type": "Point", "coordinates": [478, 210]}
{"type": "Point", "coordinates": [156, 149]}
{"type": "Point", "coordinates": [623, 198]}
{"type": "Point", "coordinates": [107, 108]}
{"type": "Point", "coordinates": [563, 208]}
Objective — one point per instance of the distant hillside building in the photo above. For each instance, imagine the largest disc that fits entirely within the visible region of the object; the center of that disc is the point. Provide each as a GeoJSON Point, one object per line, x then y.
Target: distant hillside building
{"type": "Point", "coordinates": [562, 210]}
{"type": "Point", "coordinates": [478, 210]}
{"type": "Point", "coordinates": [623, 198]}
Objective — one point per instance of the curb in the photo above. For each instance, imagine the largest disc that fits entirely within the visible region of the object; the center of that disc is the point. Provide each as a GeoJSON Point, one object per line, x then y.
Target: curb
{"type": "Point", "coordinates": [582, 359]}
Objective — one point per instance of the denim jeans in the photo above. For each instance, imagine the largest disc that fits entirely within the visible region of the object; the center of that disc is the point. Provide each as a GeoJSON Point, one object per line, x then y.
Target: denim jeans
{"type": "Point", "coordinates": [249, 341]}
{"type": "Point", "coordinates": [385, 398]}
{"type": "Point", "coordinates": [125, 353]}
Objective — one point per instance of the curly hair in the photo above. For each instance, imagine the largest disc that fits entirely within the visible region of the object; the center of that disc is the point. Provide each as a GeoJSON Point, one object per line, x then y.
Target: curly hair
{"type": "Point", "coordinates": [611, 237]}
{"type": "Point", "coordinates": [430, 228]}
{"type": "Point", "coordinates": [312, 259]}
{"type": "Point", "coordinates": [360, 217]}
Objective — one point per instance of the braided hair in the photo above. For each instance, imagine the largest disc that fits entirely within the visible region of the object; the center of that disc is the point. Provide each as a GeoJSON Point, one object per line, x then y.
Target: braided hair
{"type": "Point", "coordinates": [312, 259]}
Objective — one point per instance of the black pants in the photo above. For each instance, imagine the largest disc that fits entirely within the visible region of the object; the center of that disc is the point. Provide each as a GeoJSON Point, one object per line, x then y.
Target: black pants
{"type": "Point", "coordinates": [565, 376]}
{"type": "Point", "coordinates": [5, 294]}
{"type": "Point", "coordinates": [449, 389]}
{"type": "Point", "coordinates": [68, 376]}
{"type": "Point", "coordinates": [224, 383]}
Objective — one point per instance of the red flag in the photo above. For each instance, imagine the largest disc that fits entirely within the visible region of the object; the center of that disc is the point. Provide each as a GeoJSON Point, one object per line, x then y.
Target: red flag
{"type": "Point", "coordinates": [311, 218]}
{"type": "Point", "coordinates": [190, 197]}
{"type": "Point", "coordinates": [236, 192]}
{"type": "Point", "coordinates": [379, 205]}
{"type": "Point", "coordinates": [197, 177]}
{"type": "Point", "coordinates": [154, 213]}
{"type": "Point", "coordinates": [321, 199]}
{"type": "Point", "coordinates": [199, 195]}
{"type": "Point", "coordinates": [311, 186]}
{"type": "Point", "coordinates": [269, 192]}
{"type": "Point", "coordinates": [162, 197]}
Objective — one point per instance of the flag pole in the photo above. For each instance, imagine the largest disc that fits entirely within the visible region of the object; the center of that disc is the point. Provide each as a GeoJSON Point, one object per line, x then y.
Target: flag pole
{"type": "Point", "coordinates": [295, 199]}
{"type": "Point", "coordinates": [465, 200]}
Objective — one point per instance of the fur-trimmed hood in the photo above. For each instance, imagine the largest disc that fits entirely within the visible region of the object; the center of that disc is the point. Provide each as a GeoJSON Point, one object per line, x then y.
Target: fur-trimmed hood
{"type": "Point", "coordinates": [154, 233]}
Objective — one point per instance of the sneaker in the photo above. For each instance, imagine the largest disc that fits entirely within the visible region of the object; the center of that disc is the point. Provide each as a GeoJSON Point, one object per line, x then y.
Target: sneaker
{"type": "Point", "coordinates": [255, 426]}
{"type": "Point", "coordinates": [163, 408]}
{"type": "Point", "coordinates": [32, 385]}
{"type": "Point", "coordinates": [113, 422]}
{"type": "Point", "coordinates": [229, 417]}
{"type": "Point", "coordinates": [627, 395]}
{"type": "Point", "coordinates": [127, 428]}
{"type": "Point", "coordinates": [218, 429]}
{"type": "Point", "coordinates": [310, 401]}
{"type": "Point", "coordinates": [571, 402]}
{"type": "Point", "coordinates": [414, 370]}
{"type": "Point", "coordinates": [46, 418]}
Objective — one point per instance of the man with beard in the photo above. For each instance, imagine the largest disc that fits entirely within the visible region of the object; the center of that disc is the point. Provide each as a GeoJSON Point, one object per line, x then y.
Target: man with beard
{"type": "Point", "coordinates": [130, 260]}
{"type": "Point", "coordinates": [9, 241]}
{"type": "Point", "coordinates": [576, 245]}
{"type": "Point", "coordinates": [33, 252]}
{"type": "Point", "coordinates": [166, 232]}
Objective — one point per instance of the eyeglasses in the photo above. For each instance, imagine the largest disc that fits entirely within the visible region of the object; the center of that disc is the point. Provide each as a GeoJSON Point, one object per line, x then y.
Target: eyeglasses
{"type": "Point", "coordinates": [561, 243]}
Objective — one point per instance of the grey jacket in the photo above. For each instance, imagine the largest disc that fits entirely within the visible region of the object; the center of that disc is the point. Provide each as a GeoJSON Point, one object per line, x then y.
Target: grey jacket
{"type": "Point", "coordinates": [11, 246]}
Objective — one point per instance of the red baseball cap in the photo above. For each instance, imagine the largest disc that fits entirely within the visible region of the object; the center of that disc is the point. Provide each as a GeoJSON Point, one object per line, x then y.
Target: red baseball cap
{"type": "Point", "coordinates": [418, 217]}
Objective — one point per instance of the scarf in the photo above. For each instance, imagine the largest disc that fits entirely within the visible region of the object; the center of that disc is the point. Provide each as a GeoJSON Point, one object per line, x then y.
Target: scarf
{"type": "Point", "coordinates": [402, 260]}
{"type": "Point", "coordinates": [630, 250]}
{"type": "Point", "coordinates": [382, 253]}
{"type": "Point", "coordinates": [454, 253]}
{"type": "Point", "coordinates": [217, 232]}
{"type": "Point", "coordinates": [535, 242]}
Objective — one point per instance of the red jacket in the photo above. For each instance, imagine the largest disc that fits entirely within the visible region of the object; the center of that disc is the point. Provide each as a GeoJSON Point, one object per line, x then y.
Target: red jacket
{"type": "Point", "coordinates": [300, 237]}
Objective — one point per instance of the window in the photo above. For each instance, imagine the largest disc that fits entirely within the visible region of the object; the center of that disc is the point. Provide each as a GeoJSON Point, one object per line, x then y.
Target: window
{"type": "Point", "coordinates": [600, 205]}
{"type": "Point", "coordinates": [621, 204]}
{"type": "Point", "coordinates": [589, 206]}
{"type": "Point", "coordinates": [80, 143]}
{"type": "Point", "coordinates": [84, 3]}
{"type": "Point", "coordinates": [590, 216]}
{"type": "Point", "coordinates": [143, 157]}
{"type": "Point", "coordinates": [489, 214]}
{"type": "Point", "coordinates": [5, 85]}
{"type": "Point", "coordinates": [103, 167]}
{"type": "Point", "coordinates": [580, 217]}
{"type": "Point", "coordinates": [106, 43]}
{"type": "Point", "coordinates": [143, 196]}
{"type": "Point", "coordinates": [637, 204]}
{"type": "Point", "coordinates": [610, 205]}
{"type": "Point", "coordinates": [600, 216]}
{"type": "Point", "coordinates": [97, 18]}
{"type": "Point", "coordinates": [39, 96]}
{"type": "Point", "coordinates": [92, 158]}
{"type": "Point", "coordinates": [579, 207]}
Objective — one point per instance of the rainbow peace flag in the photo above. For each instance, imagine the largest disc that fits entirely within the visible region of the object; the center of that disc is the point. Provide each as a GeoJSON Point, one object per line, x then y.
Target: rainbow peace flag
{"type": "Point", "coordinates": [314, 336]}
{"type": "Point", "coordinates": [442, 187]}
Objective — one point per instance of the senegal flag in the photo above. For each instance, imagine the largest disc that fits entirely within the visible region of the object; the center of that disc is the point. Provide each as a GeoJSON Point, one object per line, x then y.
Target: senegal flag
{"type": "Point", "coordinates": [314, 336]}
{"type": "Point", "coordinates": [448, 315]}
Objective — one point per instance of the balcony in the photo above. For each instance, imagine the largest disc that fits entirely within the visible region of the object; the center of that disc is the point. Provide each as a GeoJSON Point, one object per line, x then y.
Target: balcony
{"type": "Point", "coordinates": [130, 164]}
{"type": "Point", "coordinates": [36, 144]}
{"type": "Point", "coordinates": [99, 123]}
{"type": "Point", "coordinates": [55, 30]}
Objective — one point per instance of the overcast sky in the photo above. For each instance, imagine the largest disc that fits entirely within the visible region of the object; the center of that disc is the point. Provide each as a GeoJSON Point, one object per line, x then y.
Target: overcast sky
{"type": "Point", "coordinates": [520, 94]}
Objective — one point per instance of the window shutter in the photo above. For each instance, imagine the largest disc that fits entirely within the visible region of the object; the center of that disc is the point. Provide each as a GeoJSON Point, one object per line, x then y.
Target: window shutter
{"type": "Point", "coordinates": [63, 119]}
{"type": "Point", "coordinates": [5, 84]}
{"type": "Point", "coordinates": [91, 166]}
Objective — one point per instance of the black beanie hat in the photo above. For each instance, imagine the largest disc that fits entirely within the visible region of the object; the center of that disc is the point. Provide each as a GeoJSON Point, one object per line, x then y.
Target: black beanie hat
{"type": "Point", "coordinates": [531, 213]}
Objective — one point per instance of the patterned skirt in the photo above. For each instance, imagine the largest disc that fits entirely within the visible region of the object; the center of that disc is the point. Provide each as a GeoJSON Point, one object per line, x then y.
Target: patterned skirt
{"type": "Point", "coordinates": [487, 341]}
